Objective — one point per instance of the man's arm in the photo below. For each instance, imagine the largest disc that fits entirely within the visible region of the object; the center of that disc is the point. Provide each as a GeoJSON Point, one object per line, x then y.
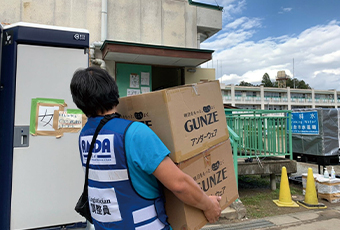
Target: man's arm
{"type": "Point", "coordinates": [187, 190]}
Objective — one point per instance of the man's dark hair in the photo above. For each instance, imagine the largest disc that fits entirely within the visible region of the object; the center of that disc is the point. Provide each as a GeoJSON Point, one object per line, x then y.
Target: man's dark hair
{"type": "Point", "coordinates": [93, 91]}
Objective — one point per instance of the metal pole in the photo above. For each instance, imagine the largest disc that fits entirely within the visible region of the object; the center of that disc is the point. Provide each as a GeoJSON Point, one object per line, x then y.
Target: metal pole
{"type": "Point", "coordinates": [290, 135]}
{"type": "Point", "coordinates": [216, 70]}
{"type": "Point", "coordinates": [293, 68]}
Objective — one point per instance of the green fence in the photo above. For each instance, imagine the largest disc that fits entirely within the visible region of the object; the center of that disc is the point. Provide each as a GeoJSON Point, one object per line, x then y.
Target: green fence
{"type": "Point", "coordinates": [259, 133]}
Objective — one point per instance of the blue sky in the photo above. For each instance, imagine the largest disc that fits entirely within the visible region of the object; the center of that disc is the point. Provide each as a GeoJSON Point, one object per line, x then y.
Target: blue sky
{"type": "Point", "coordinates": [301, 37]}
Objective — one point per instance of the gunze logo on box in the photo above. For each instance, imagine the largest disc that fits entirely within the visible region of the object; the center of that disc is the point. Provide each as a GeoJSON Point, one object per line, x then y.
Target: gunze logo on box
{"type": "Point", "coordinates": [214, 179]}
{"type": "Point", "coordinates": [139, 116]}
{"type": "Point", "coordinates": [209, 117]}
{"type": "Point", "coordinates": [103, 151]}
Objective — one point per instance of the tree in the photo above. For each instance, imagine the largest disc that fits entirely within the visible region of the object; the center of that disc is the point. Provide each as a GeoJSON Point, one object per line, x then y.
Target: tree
{"type": "Point", "coordinates": [292, 83]}
{"type": "Point", "coordinates": [296, 84]}
{"type": "Point", "coordinates": [266, 81]}
{"type": "Point", "coordinates": [303, 85]}
{"type": "Point", "coordinates": [244, 83]}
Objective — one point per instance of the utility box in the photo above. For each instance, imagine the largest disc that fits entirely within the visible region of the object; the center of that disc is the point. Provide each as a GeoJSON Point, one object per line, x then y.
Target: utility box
{"type": "Point", "coordinates": [40, 170]}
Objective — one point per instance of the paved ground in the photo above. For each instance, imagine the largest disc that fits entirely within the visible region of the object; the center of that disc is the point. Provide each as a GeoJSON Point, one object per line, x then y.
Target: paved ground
{"type": "Point", "coordinates": [317, 219]}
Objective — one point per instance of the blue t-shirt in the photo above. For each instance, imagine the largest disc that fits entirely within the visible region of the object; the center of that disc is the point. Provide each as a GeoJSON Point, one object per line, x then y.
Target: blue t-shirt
{"type": "Point", "coordinates": [144, 152]}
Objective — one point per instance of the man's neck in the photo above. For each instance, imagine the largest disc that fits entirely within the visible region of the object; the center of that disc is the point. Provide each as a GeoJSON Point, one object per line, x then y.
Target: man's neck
{"type": "Point", "coordinates": [111, 111]}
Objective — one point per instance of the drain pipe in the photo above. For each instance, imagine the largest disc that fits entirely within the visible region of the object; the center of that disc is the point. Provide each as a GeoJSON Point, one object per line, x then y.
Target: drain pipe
{"type": "Point", "coordinates": [97, 45]}
{"type": "Point", "coordinates": [104, 21]}
{"type": "Point", "coordinates": [99, 62]}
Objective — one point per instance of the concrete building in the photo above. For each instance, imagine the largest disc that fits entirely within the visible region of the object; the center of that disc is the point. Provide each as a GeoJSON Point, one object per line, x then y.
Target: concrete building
{"type": "Point", "coordinates": [278, 98]}
{"type": "Point", "coordinates": [156, 42]}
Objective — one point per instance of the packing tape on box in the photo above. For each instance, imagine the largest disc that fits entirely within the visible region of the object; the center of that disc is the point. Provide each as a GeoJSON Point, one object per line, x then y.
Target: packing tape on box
{"type": "Point", "coordinates": [166, 99]}
{"type": "Point", "coordinates": [207, 159]}
{"type": "Point", "coordinates": [195, 90]}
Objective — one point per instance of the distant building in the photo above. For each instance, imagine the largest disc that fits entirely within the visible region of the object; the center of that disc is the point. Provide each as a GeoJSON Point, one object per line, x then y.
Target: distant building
{"type": "Point", "coordinates": [282, 79]}
{"type": "Point", "coordinates": [270, 98]}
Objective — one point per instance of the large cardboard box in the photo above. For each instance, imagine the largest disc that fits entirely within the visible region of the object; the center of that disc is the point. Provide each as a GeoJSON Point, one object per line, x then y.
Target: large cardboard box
{"type": "Point", "coordinates": [188, 119]}
{"type": "Point", "coordinates": [213, 170]}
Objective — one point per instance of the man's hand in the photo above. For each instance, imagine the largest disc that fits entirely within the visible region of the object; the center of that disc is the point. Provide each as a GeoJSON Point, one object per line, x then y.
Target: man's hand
{"type": "Point", "coordinates": [214, 211]}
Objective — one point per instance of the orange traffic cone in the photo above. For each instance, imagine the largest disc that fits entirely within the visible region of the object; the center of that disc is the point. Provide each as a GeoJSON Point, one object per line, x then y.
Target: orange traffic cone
{"type": "Point", "coordinates": [311, 200]}
{"type": "Point", "coordinates": [285, 198]}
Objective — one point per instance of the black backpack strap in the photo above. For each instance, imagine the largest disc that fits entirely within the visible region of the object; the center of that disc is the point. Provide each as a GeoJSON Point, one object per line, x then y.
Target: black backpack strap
{"type": "Point", "coordinates": [99, 127]}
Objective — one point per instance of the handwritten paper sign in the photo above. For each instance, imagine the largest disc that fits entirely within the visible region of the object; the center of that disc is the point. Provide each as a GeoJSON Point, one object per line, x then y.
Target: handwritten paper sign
{"type": "Point", "coordinates": [69, 121]}
{"type": "Point", "coordinates": [131, 92]}
{"type": "Point", "coordinates": [45, 118]}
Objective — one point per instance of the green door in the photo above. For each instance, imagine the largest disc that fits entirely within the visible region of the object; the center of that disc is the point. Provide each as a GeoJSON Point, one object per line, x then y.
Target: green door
{"type": "Point", "coordinates": [133, 79]}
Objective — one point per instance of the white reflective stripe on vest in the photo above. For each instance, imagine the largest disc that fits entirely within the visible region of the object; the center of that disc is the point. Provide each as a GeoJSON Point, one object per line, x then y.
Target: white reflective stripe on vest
{"type": "Point", "coordinates": [108, 175]}
{"type": "Point", "coordinates": [155, 225]}
{"type": "Point", "coordinates": [144, 214]}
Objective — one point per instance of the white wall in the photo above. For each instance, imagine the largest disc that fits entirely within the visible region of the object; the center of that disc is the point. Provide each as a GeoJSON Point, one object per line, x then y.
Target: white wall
{"type": "Point", "coordinates": [200, 74]}
{"type": "Point", "coordinates": [158, 22]}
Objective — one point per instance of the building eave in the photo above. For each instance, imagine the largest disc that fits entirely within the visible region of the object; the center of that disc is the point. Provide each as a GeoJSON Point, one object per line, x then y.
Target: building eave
{"type": "Point", "coordinates": [154, 54]}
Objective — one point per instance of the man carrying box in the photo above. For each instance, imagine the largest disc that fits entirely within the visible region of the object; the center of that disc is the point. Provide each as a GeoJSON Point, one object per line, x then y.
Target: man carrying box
{"type": "Point", "coordinates": [128, 162]}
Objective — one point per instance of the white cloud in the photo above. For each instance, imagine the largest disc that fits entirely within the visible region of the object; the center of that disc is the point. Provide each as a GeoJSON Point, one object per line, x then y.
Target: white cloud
{"type": "Point", "coordinates": [236, 32]}
{"type": "Point", "coordinates": [328, 71]}
{"type": "Point", "coordinates": [285, 10]}
{"type": "Point", "coordinates": [236, 23]}
{"type": "Point", "coordinates": [244, 23]}
{"type": "Point", "coordinates": [316, 54]}
{"type": "Point", "coordinates": [231, 7]}
{"type": "Point", "coordinates": [228, 40]}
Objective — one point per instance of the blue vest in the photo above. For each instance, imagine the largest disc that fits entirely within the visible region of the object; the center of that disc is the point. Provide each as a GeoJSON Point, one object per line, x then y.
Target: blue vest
{"type": "Point", "coordinates": [114, 202]}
